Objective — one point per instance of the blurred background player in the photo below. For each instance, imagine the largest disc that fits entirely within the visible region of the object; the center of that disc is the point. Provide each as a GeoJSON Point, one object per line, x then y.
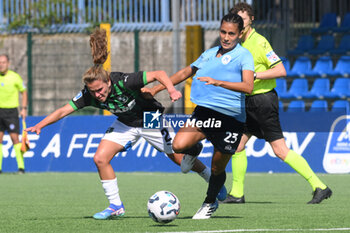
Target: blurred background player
{"type": "Point", "coordinates": [11, 84]}
{"type": "Point", "coordinates": [120, 93]}
{"type": "Point", "coordinates": [262, 114]}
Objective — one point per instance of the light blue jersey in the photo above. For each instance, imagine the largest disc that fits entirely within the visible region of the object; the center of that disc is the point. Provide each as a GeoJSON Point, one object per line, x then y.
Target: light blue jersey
{"type": "Point", "coordinates": [229, 68]}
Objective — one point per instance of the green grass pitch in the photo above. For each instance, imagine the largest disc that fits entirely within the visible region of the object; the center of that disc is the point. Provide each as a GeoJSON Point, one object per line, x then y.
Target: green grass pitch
{"type": "Point", "coordinates": [65, 202]}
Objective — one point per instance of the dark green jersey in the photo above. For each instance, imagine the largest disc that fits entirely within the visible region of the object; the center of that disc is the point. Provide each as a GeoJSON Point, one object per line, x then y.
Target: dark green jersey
{"type": "Point", "coordinates": [125, 99]}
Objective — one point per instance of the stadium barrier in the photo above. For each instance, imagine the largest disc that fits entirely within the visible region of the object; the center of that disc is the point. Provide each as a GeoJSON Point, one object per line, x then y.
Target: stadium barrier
{"type": "Point", "coordinates": [69, 146]}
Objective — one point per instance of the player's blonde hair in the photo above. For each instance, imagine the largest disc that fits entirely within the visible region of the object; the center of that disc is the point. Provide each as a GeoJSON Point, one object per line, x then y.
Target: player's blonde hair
{"type": "Point", "coordinates": [98, 44]}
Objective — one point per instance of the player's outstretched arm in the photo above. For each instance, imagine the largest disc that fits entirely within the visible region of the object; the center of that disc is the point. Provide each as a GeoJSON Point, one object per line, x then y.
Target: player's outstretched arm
{"type": "Point", "coordinates": [52, 118]}
{"type": "Point", "coordinates": [177, 78]}
{"type": "Point", "coordinates": [163, 78]}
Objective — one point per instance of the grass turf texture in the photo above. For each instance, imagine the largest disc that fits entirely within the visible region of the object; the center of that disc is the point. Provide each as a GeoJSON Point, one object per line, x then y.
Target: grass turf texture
{"type": "Point", "coordinates": [65, 202]}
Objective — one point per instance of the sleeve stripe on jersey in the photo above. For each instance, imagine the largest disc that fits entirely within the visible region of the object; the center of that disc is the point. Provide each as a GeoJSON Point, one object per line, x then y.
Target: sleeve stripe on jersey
{"type": "Point", "coordinates": [116, 88]}
{"type": "Point", "coordinates": [275, 63]}
{"type": "Point", "coordinates": [121, 84]}
{"type": "Point", "coordinates": [144, 77]}
{"type": "Point", "coordinates": [73, 105]}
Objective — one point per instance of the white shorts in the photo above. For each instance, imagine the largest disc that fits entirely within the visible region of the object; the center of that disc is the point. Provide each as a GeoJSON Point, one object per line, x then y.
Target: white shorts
{"type": "Point", "coordinates": [127, 136]}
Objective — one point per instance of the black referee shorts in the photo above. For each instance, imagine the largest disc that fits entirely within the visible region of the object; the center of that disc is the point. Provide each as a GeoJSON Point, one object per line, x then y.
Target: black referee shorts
{"type": "Point", "coordinates": [9, 120]}
{"type": "Point", "coordinates": [225, 138]}
{"type": "Point", "coordinates": [263, 117]}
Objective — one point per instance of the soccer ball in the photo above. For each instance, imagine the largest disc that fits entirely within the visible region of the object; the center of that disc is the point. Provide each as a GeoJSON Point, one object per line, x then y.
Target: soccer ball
{"type": "Point", "coordinates": [163, 206]}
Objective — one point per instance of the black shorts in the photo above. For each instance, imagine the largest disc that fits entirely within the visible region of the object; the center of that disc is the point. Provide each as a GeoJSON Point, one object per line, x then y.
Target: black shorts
{"type": "Point", "coordinates": [225, 138]}
{"type": "Point", "coordinates": [9, 120]}
{"type": "Point", "coordinates": [263, 117]}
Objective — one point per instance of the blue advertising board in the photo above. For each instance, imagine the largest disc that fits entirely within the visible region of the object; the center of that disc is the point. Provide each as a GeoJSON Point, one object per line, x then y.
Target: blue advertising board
{"type": "Point", "coordinates": [69, 146]}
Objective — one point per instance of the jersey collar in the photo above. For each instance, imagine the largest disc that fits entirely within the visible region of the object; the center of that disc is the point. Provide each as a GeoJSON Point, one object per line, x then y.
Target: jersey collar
{"type": "Point", "coordinates": [219, 47]}
{"type": "Point", "coordinates": [250, 35]}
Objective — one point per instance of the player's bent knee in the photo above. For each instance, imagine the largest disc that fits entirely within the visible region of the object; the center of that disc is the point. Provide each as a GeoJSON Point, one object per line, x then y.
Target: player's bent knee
{"type": "Point", "coordinates": [99, 160]}
{"type": "Point", "coordinates": [217, 170]}
{"type": "Point", "coordinates": [177, 147]}
{"type": "Point", "coordinates": [281, 152]}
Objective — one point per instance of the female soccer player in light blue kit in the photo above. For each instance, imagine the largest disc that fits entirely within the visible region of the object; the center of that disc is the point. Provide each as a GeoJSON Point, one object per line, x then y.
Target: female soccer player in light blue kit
{"type": "Point", "coordinates": [223, 75]}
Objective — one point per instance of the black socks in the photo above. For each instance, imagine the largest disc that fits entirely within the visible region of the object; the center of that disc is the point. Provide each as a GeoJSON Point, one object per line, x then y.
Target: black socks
{"type": "Point", "coordinates": [215, 184]}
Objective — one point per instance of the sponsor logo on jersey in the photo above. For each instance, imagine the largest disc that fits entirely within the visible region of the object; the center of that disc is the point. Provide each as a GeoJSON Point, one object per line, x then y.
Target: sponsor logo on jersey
{"type": "Point", "coordinates": [78, 96]}
{"type": "Point", "coordinates": [129, 107]}
{"type": "Point", "coordinates": [122, 98]}
{"type": "Point", "coordinates": [126, 78]}
{"type": "Point", "coordinates": [226, 59]}
{"type": "Point", "coordinates": [272, 57]}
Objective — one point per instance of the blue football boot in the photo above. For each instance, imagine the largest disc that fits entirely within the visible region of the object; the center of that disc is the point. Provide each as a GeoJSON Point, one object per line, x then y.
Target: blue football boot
{"type": "Point", "coordinates": [113, 211]}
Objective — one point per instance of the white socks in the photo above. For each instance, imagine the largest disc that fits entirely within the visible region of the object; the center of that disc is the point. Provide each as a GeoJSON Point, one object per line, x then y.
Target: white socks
{"type": "Point", "coordinates": [112, 191]}
{"type": "Point", "coordinates": [205, 174]}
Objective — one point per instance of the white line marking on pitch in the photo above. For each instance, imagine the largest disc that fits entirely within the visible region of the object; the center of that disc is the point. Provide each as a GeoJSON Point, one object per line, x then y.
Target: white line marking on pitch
{"type": "Point", "coordinates": [264, 230]}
